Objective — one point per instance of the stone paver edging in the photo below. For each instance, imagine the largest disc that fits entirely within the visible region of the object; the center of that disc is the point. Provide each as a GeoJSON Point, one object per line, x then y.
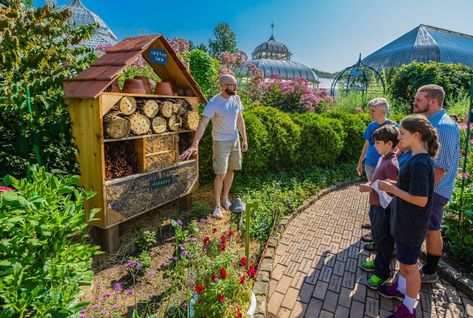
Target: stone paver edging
{"type": "Point", "coordinates": [261, 286]}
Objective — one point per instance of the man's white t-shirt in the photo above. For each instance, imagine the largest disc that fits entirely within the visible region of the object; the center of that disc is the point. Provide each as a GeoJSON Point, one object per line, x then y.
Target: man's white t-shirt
{"type": "Point", "coordinates": [224, 113]}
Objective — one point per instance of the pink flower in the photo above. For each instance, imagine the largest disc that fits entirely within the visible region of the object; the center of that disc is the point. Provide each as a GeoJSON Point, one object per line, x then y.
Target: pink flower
{"type": "Point", "coordinates": [3, 188]}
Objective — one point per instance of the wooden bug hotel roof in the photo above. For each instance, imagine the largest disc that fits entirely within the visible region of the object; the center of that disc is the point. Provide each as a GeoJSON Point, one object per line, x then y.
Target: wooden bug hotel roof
{"type": "Point", "coordinates": [95, 79]}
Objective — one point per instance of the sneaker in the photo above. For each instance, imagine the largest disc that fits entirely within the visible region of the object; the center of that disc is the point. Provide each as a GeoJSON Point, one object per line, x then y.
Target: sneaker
{"type": "Point", "coordinates": [369, 247]}
{"type": "Point", "coordinates": [368, 265]}
{"type": "Point", "coordinates": [402, 312]}
{"type": "Point", "coordinates": [226, 204]}
{"type": "Point", "coordinates": [366, 226]}
{"type": "Point", "coordinates": [218, 212]}
{"type": "Point", "coordinates": [390, 291]}
{"type": "Point", "coordinates": [375, 281]}
{"type": "Point", "coordinates": [238, 206]}
{"type": "Point", "coordinates": [367, 237]}
{"type": "Point", "coordinates": [429, 279]}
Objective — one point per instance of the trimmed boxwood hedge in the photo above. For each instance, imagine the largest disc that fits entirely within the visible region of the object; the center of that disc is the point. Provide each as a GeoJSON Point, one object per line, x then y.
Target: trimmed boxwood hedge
{"type": "Point", "coordinates": [354, 128]}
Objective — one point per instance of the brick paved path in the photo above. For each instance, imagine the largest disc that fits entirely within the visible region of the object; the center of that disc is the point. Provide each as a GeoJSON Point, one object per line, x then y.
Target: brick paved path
{"type": "Point", "coordinates": [316, 273]}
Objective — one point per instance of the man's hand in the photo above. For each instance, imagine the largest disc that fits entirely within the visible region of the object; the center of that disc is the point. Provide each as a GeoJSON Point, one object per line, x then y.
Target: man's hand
{"type": "Point", "coordinates": [192, 150]}
{"type": "Point", "coordinates": [364, 187]}
{"type": "Point", "coordinates": [244, 146]}
{"type": "Point", "coordinates": [359, 168]}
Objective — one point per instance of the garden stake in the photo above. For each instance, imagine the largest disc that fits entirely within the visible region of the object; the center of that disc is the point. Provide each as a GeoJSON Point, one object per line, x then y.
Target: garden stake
{"type": "Point", "coordinates": [249, 206]}
{"type": "Point", "coordinates": [465, 160]}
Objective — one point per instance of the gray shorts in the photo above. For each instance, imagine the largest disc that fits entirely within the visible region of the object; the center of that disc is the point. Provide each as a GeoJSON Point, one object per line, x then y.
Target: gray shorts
{"type": "Point", "coordinates": [369, 172]}
{"type": "Point", "coordinates": [437, 212]}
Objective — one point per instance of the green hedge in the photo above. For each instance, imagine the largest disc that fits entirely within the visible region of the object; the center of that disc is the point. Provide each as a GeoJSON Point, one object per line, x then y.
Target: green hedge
{"type": "Point", "coordinates": [257, 159]}
{"type": "Point", "coordinates": [321, 140]}
{"type": "Point", "coordinates": [354, 128]}
{"type": "Point", "coordinates": [284, 135]}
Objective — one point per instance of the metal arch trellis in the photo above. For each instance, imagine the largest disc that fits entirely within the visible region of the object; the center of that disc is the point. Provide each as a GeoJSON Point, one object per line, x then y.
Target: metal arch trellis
{"type": "Point", "coordinates": [357, 78]}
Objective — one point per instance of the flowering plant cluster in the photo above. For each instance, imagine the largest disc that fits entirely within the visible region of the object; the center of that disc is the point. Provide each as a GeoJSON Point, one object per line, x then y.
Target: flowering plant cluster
{"type": "Point", "coordinates": [291, 95]}
{"type": "Point", "coordinates": [211, 273]}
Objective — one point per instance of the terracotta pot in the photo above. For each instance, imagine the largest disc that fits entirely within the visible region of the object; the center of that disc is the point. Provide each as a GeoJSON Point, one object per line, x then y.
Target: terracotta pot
{"type": "Point", "coordinates": [189, 92]}
{"type": "Point", "coordinates": [180, 92]}
{"type": "Point", "coordinates": [134, 86]}
{"type": "Point", "coordinates": [163, 88]}
{"type": "Point", "coordinates": [146, 83]}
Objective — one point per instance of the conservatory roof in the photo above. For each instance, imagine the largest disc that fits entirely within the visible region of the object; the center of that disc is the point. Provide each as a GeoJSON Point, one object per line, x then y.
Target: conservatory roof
{"type": "Point", "coordinates": [285, 68]}
{"type": "Point", "coordinates": [423, 44]}
{"type": "Point", "coordinates": [83, 16]}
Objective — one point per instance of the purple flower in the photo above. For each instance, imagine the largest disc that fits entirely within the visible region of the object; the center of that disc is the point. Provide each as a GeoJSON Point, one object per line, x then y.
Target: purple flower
{"type": "Point", "coordinates": [83, 311]}
{"type": "Point", "coordinates": [81, 316]}
{"type": "Point", "coordinates": [139, 266]}
{"type": "Point", "coordinates": [163, 263]}
{"type": "Point", "coordinates": [174, 259]}
{"type": "Point", "coordinates": [192, 239]}
{"type": "Point", "coordinates": [102, 312]}
{"type": "Point", "coordinates": [130, 292]}
{"type": "Point", "coordinates": [115, 306]}
{"type": "Point", "coordinates": [184, 253]}
{"type": "Point", "coordinates": [191, 281]}
{"type": "Point", "coordinates": [117, 287]}
{"type": "Point", "coordinates": [131, 263]}
{"type": "Point", "coordinates": [183, 245]}
{"type": "Point", "coordinates": [202, 220]}
{"type": "Point", "coordinates": [179, 222]}
{"type": "Point", "coordinates": [151, 274]}
{"type": "Point", "coordinates": [96, 306]}
{"type": "Point", "coordinates": [106, 295]}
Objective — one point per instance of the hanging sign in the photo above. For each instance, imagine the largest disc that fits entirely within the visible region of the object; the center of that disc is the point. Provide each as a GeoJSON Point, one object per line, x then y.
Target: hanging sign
{"type": "Point", "coordinates": [158, 56]}
{"type": "Point", "coordinates": [159, 183]}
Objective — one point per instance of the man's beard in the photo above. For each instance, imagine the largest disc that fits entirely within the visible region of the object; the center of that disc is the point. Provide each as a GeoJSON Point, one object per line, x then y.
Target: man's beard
{"type": "Point", "coordinates": [230, 92]}
{"type": "Point", "coordinates": [420, 110]}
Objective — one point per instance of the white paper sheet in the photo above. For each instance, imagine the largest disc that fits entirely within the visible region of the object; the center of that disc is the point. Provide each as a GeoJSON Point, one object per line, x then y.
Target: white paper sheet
{"type": "Point", "coordinates": [384, 198]}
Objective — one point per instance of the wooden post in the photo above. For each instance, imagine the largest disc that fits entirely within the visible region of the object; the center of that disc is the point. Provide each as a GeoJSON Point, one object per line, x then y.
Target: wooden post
{"type": "Point", "coordinates": [249, 206]}
{"type": "Point", "coordinates": [108, 239]}
{"type": "Point", "coordinates": [185, 203]}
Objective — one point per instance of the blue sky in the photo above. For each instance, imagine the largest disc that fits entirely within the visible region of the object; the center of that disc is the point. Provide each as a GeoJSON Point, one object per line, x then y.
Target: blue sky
{"type": "Point", "coordinates": [327, 35]}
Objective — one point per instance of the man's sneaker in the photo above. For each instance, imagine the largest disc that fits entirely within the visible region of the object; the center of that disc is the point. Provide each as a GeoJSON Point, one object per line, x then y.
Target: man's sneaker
{"type": "Point", "coordinates": [429, 278]}
{"type": "Point", "coordinates": [226, 204]}
{"type": "Point", "coordinates": [402, 312]}
{"type": "Point", "coordinates": [217, 212]}
{"type": "Point", "coordinates": [369, 247]}
{"type": "Point", "coordinates": [375, 281]}
{"type": "Point", "coordinates": [368, 265]}
{"type": "Point", "coordinates": [390, 291]}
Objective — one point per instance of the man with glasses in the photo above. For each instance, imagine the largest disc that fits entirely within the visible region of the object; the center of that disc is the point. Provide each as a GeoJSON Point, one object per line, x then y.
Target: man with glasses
{"type": "Point", "coordinates": [225, 111]}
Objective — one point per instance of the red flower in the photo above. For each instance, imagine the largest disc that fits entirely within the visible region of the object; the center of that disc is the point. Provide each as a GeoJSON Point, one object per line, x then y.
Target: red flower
{"type": "Point", "coordinates": [223, 247]}
{"type": "Point", "coordinates": [206, 240]}
{"type": "Point", "coordinates": [214, 278]}
{"type": "Point", "coordinates": [223, 273]}
{"type": "Point", "coordinates": [214, 230]}
{"type": "Point", "coordinates": [3, 188]}
{"type": "Point", "coordinates": [221, 298]}
{"type": "Point", "coordinates": [222, 242]}
{"type": "Point", "coordinates": [239, 315]}
{"type": "Point", "coordinates": [242, 279]}
{"type": "Point", "coordinates": [199, 288]}
{"type": "Point", "coordinates": [252, 271]}
{"type": "Point", "coordinates": [229, 233]}
{"type": "Point", "coordinates": [243, 261]}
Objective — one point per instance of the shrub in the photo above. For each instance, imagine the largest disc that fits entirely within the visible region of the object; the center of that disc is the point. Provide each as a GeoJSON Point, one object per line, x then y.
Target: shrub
{"type": "Point", "coordinates": [454, 78]}
{"type": "Point", "coordinates": [354, 128]}
{"type": "Point", "coordinates": [365, 118]}
{"type": "Point", "coordinates": [44, 253]}
{"type": "Point", "coordinates": [284, 135]}
{"type": "Point", "coordinates": [396, 117]}
{"type": "Point", "coordinates": [256, 159]}
{"type": "Point", "coordinates": [204, 69]}
{"type": "Point", "coordinates": [321, 140]}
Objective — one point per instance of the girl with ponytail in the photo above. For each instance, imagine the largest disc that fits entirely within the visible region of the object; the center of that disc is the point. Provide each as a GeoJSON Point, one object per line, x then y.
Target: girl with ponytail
{"type": "Point", "coordinates": [412, 208]}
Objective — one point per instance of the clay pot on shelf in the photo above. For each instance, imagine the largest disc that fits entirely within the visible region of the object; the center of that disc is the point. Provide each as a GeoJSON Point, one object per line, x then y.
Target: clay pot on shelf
{"type": "Point", "coordinates": [134, 86]}
{"type": "Point", "coordinates": [164, 88]}
{"type": "Point", "coordinates": [146, 83]}
{"type": "Point", "coordinates": [189, 92]}
{"type": "Point", "coordinates": [114, 87]}
{"type": "Point", "coordinates": [180, 92]}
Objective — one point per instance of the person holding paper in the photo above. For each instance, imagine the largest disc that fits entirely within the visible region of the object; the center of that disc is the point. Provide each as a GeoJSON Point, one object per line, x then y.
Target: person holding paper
{"type": "Point", "coordinates": [386, 139]}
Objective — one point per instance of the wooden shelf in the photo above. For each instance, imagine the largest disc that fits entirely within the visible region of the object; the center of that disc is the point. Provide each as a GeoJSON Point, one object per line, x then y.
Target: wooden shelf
{"type": "Point", "coordinates": [145, 95]}
{"type": "Point", "coordinates": [132, 176]}
{"type": "Point", "coordinates": [148, 135]}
